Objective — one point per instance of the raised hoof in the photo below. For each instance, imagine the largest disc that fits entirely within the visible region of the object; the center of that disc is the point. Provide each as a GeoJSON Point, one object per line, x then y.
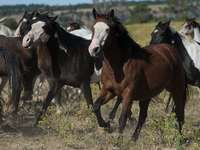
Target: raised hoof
{"type": "Point", "coordinates": [111, 126]}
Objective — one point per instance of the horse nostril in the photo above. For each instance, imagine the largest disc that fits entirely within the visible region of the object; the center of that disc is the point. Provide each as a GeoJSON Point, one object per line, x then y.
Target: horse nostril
{"type": "Point", "coordinates": [95, 49]}
{"type": "Point", "coordinates": [27, 40]}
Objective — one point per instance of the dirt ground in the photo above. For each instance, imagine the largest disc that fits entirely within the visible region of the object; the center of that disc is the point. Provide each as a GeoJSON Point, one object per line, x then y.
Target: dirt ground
{"type": "Point", "coordinates": [17, 132]}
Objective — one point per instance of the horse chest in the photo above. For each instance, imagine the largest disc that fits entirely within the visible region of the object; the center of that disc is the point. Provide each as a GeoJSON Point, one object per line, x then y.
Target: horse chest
{"type": "Point", "coordinates": [114, 81]}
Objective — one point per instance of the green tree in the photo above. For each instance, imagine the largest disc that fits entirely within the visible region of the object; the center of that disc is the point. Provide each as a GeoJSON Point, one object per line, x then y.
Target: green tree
{"type": "Point", "coordinates": [140, 14]}
{"type": "Point", "coordinates": [10, 23]}
{"type": "Point", "coordinates": [177, 8]}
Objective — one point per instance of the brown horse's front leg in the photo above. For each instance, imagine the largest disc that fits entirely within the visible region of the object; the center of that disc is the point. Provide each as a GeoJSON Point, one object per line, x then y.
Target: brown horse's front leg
{"type": "Point", "coordinates": [104, 97]}
{"type": "Point", "coordinates": [142, 117]}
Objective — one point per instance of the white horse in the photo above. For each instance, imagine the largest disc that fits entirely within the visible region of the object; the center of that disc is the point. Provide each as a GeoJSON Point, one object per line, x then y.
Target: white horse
{"type": "Point", "coordinates": [5, 30]}
{"type": "Point", "coordinates": [77, 29]}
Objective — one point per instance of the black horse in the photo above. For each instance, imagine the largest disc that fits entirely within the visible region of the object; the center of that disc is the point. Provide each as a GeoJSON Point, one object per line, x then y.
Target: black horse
{"type": "Point", "coordinates": [71, 63]}
{"type": "Point", "coordinates": [187, 48]}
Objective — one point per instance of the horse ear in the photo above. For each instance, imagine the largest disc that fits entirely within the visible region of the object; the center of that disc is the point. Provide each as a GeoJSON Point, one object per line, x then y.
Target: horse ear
{"type": "Point", "coordinates": [167, 23]}
{"type": "Point", "coordinates": [52, 19]}
{"type": "Point", "coordinates": [32, 14]}
{"type": "Point", "coordinates": [95, 14]}
{"type": "Point", "coordinates": [25, 12]}
{"type": "Point", "coordinates": [193, 19]}
{"type": "Point", "coordinates": [46, 13]}
{"type": "Point", "coordinates": [111, 14]}
{"type": "Point", "coordinates": [68, 23]}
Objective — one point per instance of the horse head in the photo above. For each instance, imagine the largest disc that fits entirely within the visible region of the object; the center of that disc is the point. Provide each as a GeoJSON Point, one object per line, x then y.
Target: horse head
{"type": "Point", "coordinates": [41, 29]}
{"type": "Point", "coordinates": [161, 33]}
{"type": "Point", "coordinates": [73, 26]}
{"type": "Point", "coordinates": [24, 24]}
{"type": "Point", "coordinates": [101, 31]}
{"type": "Point", "coordinates": [188, 27]}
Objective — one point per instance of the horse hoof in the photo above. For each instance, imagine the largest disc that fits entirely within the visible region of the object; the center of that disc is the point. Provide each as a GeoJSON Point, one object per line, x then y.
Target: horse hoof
{"type": "Point", "coordinates": [111, 126]}
{"type": "Point", "coordinates": [133, 119]}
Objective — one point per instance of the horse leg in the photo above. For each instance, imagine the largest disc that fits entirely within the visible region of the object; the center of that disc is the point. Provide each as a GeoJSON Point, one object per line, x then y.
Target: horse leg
{"type": "Point", "coordinates": [142, 117]}
{"type": "Point", "coordinates": [42, 79]}
{"type": "Point", "coordinates": [28, 86]}
{"type": "Point", "coordinates": [51, 94]}
{"type": "Point", "coordinates": [58, 101]}
{"type": "Point", "coordinates": [113, 112]}
{"type": "Point", "coordinates": [104, 97]}
{"type": "Point", "coordinates": [86, 90]}
{"type": "Point", "coordinates": [179, 102]}
{"type": "Point", "coordinates": [98, 83]}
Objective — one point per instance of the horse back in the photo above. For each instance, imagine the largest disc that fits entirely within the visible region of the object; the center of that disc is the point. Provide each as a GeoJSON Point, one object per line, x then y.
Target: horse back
{"type": "Point", "coordinates": [15, 44]}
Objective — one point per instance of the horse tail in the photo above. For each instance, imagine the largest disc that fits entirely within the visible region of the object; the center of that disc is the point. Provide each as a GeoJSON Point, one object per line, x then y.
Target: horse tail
{"type": "Point", "coordinates": [13, 67]}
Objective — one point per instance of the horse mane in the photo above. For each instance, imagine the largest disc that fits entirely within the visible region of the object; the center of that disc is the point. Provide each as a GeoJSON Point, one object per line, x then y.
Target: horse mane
{"type": "Point", "coordinates": [197, 24]}
{"type": "Point", "coordinates": [183, 36]}
{"type": "Point", "coordinates": [66, 41]}
{"type": "Point", "coordinates": [129, 45]}
{"type": "Point", "coordinates": [5, 30]}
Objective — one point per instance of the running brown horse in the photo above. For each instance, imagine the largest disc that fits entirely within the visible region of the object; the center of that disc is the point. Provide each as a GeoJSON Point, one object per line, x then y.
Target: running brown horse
{"type": "Point", "coordinates": [134, 73]}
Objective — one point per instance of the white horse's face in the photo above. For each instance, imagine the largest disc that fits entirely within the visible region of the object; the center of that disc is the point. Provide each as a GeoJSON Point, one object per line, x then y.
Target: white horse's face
{"type": "Point", "coordinates": [187, 29]}
{"type": "Point", "coordinates": [36, 34]}
{"type": "Point", "coordinates": [100, 34]}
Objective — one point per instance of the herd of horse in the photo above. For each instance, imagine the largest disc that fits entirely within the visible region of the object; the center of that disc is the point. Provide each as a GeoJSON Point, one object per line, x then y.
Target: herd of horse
{"type": "Point", "coordinates": [78, 57]}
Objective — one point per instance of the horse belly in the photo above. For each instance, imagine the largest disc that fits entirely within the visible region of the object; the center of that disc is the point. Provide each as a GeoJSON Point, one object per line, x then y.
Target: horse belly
{"type": "Point", "coordinates": [152, 82]}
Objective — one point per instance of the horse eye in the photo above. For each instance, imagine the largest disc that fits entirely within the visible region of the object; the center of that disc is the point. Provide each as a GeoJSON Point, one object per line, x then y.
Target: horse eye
{"type": "Point", "coordinates": [107, 30]}
{"type": "Point", "coordinates": [188, 26]}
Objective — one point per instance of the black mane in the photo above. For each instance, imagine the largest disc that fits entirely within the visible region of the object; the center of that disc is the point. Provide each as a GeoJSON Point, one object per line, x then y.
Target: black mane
{"type": "Point", "coordinates": [197, 24]}
{"type": "Point", "coordinates": [66, 41]}
{"type": "Point", "coordinates": [129, 45]}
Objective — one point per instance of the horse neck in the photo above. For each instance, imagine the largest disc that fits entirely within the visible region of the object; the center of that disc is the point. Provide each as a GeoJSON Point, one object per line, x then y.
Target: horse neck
{"type": "Point", "coordinates": [113, 55]}
{"type": "Point", "coordinates": [196, 35]}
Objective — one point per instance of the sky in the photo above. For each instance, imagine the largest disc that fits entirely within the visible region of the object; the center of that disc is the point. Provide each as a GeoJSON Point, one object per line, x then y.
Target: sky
{"type": "Point", "coordinates": [46, 2]}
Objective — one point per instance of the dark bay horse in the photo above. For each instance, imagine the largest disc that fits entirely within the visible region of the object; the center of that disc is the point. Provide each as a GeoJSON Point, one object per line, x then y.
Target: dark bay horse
{"type": "Point", "coordinates": [11, 66]}
{"type": "Point", "coordinates": [134, 73]}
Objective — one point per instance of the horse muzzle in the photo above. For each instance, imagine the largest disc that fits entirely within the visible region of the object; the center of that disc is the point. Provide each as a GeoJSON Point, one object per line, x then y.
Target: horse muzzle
{"type": "Point", "coordinates": [95, 52]}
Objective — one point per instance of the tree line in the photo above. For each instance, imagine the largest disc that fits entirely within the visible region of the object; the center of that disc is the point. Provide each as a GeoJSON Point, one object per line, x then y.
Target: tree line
{"type": "Point", "coordinates": [139, 13]}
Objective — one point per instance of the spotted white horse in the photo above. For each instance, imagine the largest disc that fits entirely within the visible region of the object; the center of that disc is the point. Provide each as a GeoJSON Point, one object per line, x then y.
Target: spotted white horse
{"type": "Point", "coordinates": [192, 28]}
